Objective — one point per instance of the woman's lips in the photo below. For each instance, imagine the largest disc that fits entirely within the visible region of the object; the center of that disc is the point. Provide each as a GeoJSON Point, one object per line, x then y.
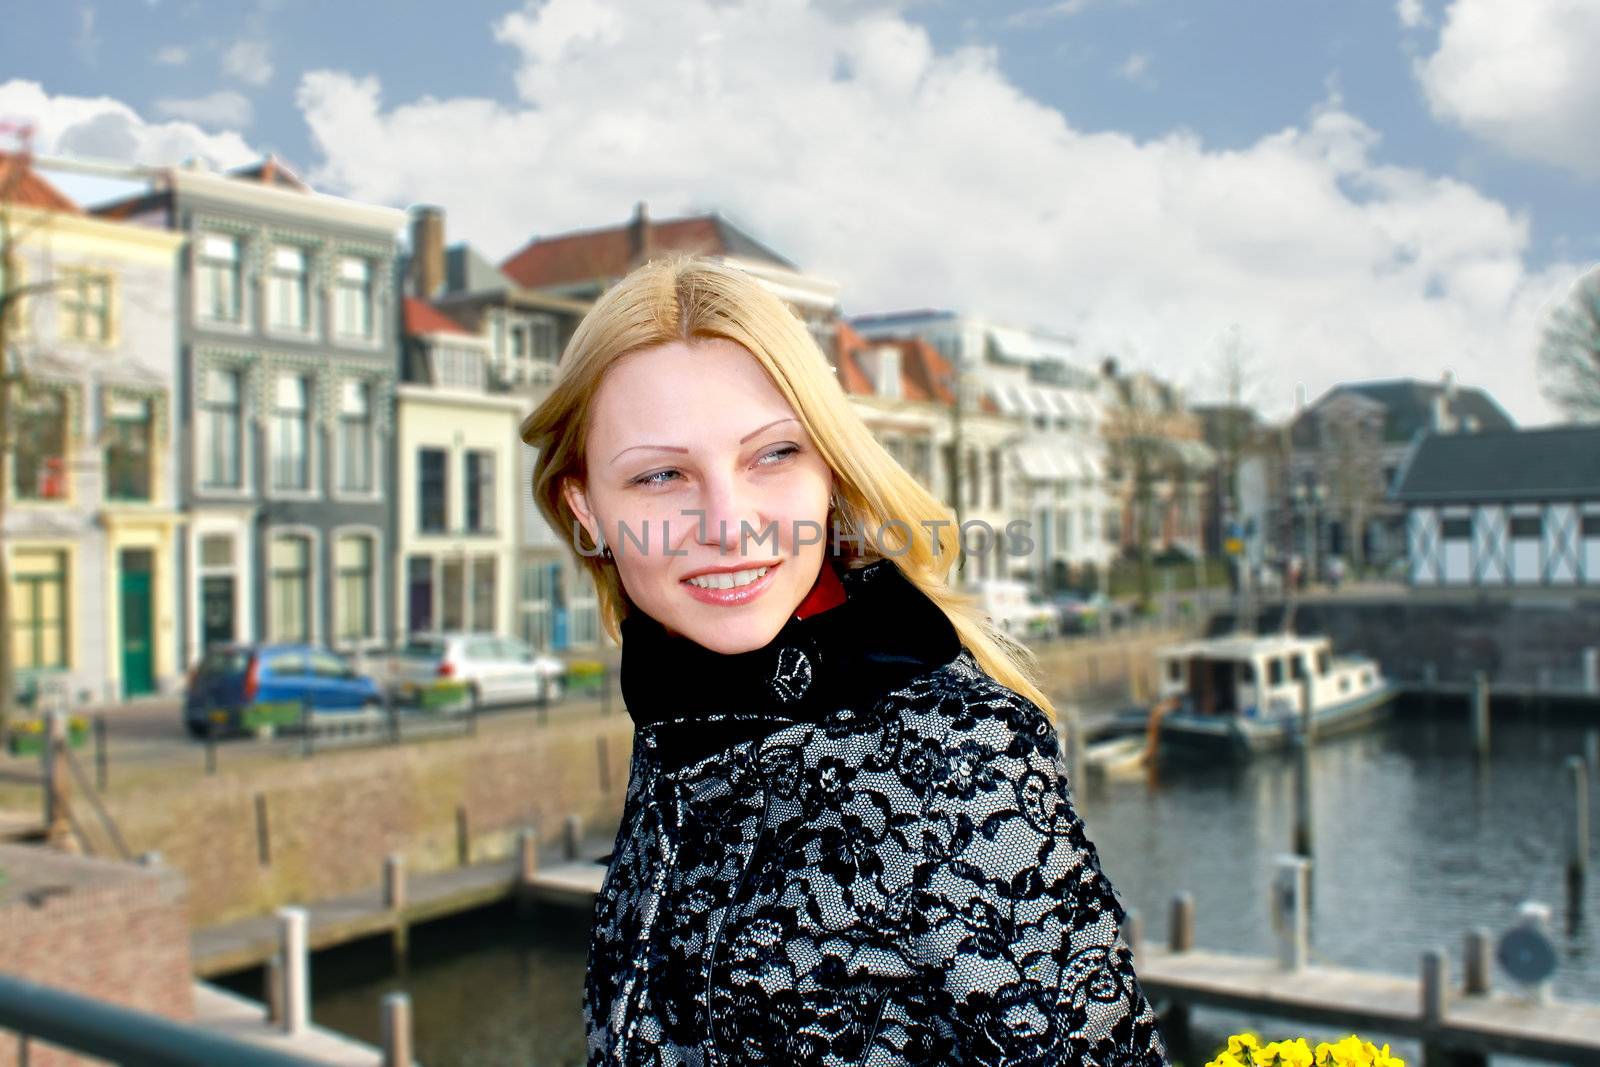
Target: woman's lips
{"type": "Point", "coordinates": [740, 594]}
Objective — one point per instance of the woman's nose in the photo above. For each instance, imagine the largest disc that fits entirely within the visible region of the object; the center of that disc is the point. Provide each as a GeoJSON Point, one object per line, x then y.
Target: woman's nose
{"type": "Point", "coordinates": [729, 507]}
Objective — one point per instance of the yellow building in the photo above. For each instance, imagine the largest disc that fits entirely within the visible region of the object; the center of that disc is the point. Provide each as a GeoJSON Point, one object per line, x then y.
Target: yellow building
{"type": "Point", "coordinates": [90, 515]}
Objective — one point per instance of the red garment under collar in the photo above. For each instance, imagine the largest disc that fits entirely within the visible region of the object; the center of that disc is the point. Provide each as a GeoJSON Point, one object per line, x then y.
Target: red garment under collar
{"type": "Point", "coordinates": [826, 592]}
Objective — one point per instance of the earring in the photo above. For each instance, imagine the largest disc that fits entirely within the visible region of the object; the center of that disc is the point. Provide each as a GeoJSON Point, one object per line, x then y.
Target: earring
{"type": "Point", "coordinates": [600, 543]}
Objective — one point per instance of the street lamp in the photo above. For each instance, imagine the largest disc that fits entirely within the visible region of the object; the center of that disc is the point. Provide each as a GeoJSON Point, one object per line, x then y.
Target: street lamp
{"type": "Point", "coordinates": [1308, 502]}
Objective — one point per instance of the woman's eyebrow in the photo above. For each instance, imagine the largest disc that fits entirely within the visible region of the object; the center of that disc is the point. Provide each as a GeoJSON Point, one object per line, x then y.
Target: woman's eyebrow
{"type": "Point", "coordinates": [676, 448]}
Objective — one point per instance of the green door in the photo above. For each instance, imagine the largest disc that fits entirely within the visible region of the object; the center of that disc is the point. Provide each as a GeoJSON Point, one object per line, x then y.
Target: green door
{"type": "Point", "coordinates": [138, 624]}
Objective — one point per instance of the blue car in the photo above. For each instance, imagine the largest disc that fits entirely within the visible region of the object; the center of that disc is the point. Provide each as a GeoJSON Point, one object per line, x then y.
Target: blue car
{"type": "Point", "coordinates": [230, 678]}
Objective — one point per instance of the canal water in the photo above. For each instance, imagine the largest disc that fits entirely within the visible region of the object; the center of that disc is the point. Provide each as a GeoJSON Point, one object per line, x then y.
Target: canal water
{"type": "Point", "coordinates": [1414, 844]}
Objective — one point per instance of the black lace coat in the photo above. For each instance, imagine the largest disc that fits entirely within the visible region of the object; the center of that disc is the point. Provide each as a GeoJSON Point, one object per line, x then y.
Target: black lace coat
{"type": "Point", "coordinates": [852, 846]}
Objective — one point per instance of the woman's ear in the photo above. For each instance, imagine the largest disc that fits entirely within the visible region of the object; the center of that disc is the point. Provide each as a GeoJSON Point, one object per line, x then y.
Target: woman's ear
{"type": "Point", "coordinates": [578, 501]}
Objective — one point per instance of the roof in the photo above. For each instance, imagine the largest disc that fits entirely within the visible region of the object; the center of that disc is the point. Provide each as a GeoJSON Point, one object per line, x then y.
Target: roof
{"type": "Point", "coordinates": [422, 317]}
{"type": "Point", "coordinates": [1556, 463]}
{"type": "Point", "coordinates": [606, 254]}
{"type": "Point", "coordinates": [1241, 647]}
{"type": "Point", "coordinates": [21, 184]}
{"type": "Point", "coordinates": [271, 171]}
{"type": "Point", "coordinates": [1408, 408]}
{"type": "Point", "coordinates": [925, 375]}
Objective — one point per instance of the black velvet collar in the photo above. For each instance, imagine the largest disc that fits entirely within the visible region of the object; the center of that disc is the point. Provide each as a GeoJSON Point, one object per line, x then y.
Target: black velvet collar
{"type": "Point", "coordinates": [699, 701]}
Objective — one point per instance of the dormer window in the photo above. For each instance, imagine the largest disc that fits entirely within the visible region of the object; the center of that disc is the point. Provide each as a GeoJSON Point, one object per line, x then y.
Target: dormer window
{"type": "Point", "coordinates": [888, 382]}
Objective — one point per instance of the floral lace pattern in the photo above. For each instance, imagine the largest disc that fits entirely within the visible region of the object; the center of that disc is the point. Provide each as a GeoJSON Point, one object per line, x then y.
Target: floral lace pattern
{"type": "Point", "coordinates": [905, 884]}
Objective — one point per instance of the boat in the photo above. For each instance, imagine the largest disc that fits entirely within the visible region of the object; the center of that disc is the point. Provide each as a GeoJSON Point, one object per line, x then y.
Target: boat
{"type": "Point", "coordinates": [1244, 694]}
{"type": "Point", "coordinates": [1116, 757]}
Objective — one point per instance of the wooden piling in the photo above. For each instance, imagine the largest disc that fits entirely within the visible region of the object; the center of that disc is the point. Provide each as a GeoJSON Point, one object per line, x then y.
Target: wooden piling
{"type": "Point", "coordinates": [1291, 885]}
{"type": "Point", "coordinates": [1477, 978]}
{"type": "Point", "coordinates": [463, 836]}
{"type": "Point", "coordinates": [527, 868]}
{"type": "Point", "coordinates": [396, 1024]}
{"type": "Point", "coordinates": [1180, 936]}
{"type": "Point", "coordinates": [1302, 844]}
{"type": "Point", "coordinates": [1577, 837]}
{"type": "Point", "coordinates": [1591, 753]}
{"type": "Point", "coordinates": [1480, 714]}
{"type": "Point", "coordinates": [1434, 991]}
{"type": "Point", "coordinates": [273, 989]}
{"type": "Point", "coordinates": [394, 899]}
{"type": "Point", "coordinates": [292, 923]}
{"type": "Point", "coordinates": [571, 836]}
{"type": "Point", "coordinates": [263, 832]}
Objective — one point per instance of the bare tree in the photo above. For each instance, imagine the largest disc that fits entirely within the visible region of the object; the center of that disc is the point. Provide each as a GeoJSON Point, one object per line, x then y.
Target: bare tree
{"type": "Point", "coordinates": [1350, 459]}
{"type": "Point", "coordinates": [1569, 352]}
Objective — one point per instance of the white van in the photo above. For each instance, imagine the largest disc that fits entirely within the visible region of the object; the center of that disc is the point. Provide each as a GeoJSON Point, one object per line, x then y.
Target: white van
{"type": "Point", "coordinates": [1011, 607]}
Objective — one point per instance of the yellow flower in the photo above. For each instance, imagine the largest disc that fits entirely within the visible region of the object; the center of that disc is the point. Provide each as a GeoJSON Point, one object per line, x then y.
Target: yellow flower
{"type": "Point", "coordinates": [1240, 1042]}
{"type": "Point", "coordinates": [1266, 1055]}
{"type": "Point", "coordinates": [1294, 1053]}
{"type": "Point", "coordinates": [1226, 1059]}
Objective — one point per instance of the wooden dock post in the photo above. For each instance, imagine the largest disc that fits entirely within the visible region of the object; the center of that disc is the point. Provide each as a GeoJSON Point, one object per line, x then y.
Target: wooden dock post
{"type": "Point", "coordinates": [571, 837]}
{"type": "Point", "coordinates": [527, 868]}
{"type": "Point", "coordinates": [1480, 714]}
{"type": "Point", "coordinates": [1578, 837]}
{"type": "Point", "coordinates": [1477, 978]}
{"type": "Point", "coordinates": [1435, 995]}
{"type": "Point", "coordinates": [1302, 843]}
{"type": "Point", "coordinates": [463, 836]}
{"type": "Point", "coordinates": [394, 900]}
{"type": "Point", "coordinates": [1180, 938]}
{"type": "Point", "coordinates": [396, 1023]}
{"type": "Point", "coordinates": [263, 832]}
{"type": "Point", "coordinates": [292, 922]}
{"type": "Point", "coordinates": [1291, 886]}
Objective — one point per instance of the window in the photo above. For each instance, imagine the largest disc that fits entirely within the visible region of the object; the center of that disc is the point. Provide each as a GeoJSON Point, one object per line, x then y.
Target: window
{"type": "Point", "coordinates": [922, 460]}
{"type": "Point", "coordinates": [291, 433]}
{"type": "Point", "coordinates": [39, 609]}
{"type": "Point", "coordinates": [129, 463]}
{"type": "Point", "coordinates": [1174, 671]}
{"type": "Point", "coordinates": [483, 594]}
{"type": "Point", "coordinates": [431, 487]}
{"type": "Point", "coordinates": [220, 295]}
{"type": "Point", "coordinates": [974, 489]}
{"type": "Point", "coordinates": [457, 367]}
{"type": "Point", "coordinates": [352, 562]}
{"type": "Point", "coordinates": [289, 289]}
{"type": "Point", "coordinates": [1324, 661]}
{"type": "Point", "coordinates": [85, 302]}
{"type": "Point", "coordinates": [290, 562]}
{"type": "Point", "coordinates": [452, 594]}
{"type": "Point", "coordinates": [994, 477]}
{"type": "Point", "coordinates": [1275, 671]}
{"type": "Point", "coordinates": [353, 299]}
{"type": "Point", "coordinates": [39, 466]}
{"type": "Point", "coordinates": [419, 593]}
{"type": "Point", "coordinates": [1591, 525]}
{"type": "Point", "coordinates": [216, 550]}
{"type": "Point", "coordinates": [1247, 673]}
{"type": "Point", "coordinates": [1456, 529]}
{"type": "Point", "coordinates": [1297, 667]}
{"type": "Point", "coordinates": [325, 665]}
{"type": "Point", "coordinates": [479, 486]}
{"type": "Point", "coordinates": [1527, 527]}
{"type": "Point", "coordinates": [355, 437]}
{"type": "Point", "coordinates": [222, 430]}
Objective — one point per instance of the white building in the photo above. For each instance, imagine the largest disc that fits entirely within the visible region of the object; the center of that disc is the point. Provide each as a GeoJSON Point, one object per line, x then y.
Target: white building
{"type": "Point", "coordinates": [1507, 508]}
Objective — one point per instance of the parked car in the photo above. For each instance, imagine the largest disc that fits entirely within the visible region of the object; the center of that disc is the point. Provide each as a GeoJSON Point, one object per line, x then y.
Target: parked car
{"type": "Point", "coordinates": [230, 678]}
{"type": "Point", "coordinates": [1076, 614]}
{"type": "Point", "coordinates": [1014, 609]}
{"type": "Point", "coordinates": [495, 670]}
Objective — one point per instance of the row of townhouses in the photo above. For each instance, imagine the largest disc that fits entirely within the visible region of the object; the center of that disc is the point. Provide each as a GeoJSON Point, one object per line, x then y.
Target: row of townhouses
{"type": "Point", "coordinates": [251, 411]}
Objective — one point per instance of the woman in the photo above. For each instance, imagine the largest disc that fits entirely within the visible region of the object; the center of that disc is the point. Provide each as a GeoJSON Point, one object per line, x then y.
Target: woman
{"type": "Point", "coordinates": [847, 838]}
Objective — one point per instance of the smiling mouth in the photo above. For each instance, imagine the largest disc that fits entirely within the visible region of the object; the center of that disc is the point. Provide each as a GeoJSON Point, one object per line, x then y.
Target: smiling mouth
{"type": "Point", "coordinates": [729, 579]}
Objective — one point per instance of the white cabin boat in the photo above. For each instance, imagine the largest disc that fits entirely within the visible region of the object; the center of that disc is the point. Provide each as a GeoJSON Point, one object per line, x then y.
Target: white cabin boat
{"type": "Point", "coordinates": [1241, 694]}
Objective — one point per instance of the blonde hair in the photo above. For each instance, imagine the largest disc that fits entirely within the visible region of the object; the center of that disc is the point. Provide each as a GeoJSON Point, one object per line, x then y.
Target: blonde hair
{"type": "Point", "coordinates": [685, 298]}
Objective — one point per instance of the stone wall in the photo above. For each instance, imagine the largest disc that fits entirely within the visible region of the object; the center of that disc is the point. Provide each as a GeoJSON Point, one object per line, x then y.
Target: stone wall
{"type": "Point", "coordinates": [112, 931]}
{"type": "Point", "coordinates": [331, 820]}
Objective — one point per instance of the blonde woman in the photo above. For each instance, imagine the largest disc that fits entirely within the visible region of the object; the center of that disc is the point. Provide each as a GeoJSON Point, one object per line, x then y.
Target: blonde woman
{"type": "Point", "coordinates": [847, 836]}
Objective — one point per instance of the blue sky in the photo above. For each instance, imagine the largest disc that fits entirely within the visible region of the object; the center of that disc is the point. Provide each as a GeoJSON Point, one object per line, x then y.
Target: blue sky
{"type": "Point", "coordinates": [1367, 187]}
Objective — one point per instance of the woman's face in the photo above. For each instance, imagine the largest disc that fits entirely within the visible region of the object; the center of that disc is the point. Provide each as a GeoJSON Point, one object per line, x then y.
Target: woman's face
{"type": "Point", "coordinates": [694, 451]}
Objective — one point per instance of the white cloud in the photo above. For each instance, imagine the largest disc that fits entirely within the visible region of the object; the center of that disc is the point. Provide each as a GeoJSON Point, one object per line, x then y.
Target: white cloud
{"type": "Point", "coordinates": [249, 60]}
{"type": "Point", "coordinates": [104, 128]}
{"type": "Point", "coordinates": [1136, 68]}
{"type": "Point", "coordinates": [172, 55]}
{"type": "Point", "coordinates": [222, 108]}
{"type": "Point", "coordinates": [1412, 13]}
{"type": "Point", "coordinates": [917, 178]}
{"type": "Point", "coordinates": [87, 41]}
{"type": "Point", "coordinates": [1522, 77]}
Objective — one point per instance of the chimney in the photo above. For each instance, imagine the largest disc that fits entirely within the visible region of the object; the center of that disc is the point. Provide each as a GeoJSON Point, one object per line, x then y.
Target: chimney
{"type": "Point", "coordinates": [427, 251]}
{"type": "Point", "coordinates": [1442, 422]}
{"type": "Point", "coordinates": [639, 234]}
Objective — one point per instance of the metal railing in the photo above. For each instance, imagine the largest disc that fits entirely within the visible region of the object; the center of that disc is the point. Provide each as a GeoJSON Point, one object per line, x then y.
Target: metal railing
{"type": "Point", "coordinates": [123, 1035]}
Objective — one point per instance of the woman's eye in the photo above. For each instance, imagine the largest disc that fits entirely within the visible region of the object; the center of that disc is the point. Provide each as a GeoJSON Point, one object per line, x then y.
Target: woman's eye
{"type": "Point", "coordinates": [780, 452]}
{"type": "Point", "coordinates": [654, 478]}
